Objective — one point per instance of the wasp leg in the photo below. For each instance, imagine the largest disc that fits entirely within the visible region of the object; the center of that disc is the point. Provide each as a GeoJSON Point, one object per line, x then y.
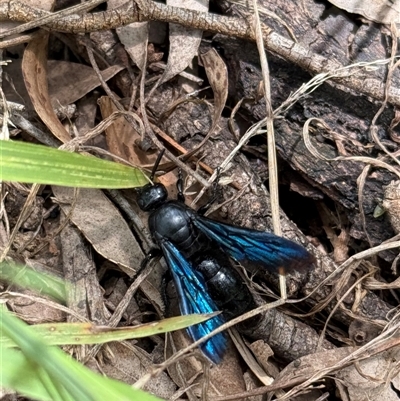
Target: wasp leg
{"type": "Point", "coordinates": [179, 187]}
{"type": "Point", "coordinates": [214, 196]}
{"type": "Point", "coordinates": [153, 253]}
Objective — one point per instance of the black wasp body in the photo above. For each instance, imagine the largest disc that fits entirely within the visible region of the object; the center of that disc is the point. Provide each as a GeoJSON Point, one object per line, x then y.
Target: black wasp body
{"type": "Point", "coordinates": [198, 252]}
{"type": "Point", "coordinates": [173, 221]}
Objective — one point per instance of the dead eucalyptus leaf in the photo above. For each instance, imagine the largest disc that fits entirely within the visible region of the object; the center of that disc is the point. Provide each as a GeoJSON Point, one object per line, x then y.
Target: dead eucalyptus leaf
{"type": "Point", "coordinates": [134, 37]}
{"type": "Point", "coordinates": [305, 367]}
{"type": "Point", "coordinates": [383, 11]}
{"type": "Point", "coordinates": [33, 312]}
{"type": "Point", "coordinates": [217, 75]}
{"type": "Point", "coordinates": [103, 226]}
{"type": "Point", "coordinates": [130, 363]}
{"type": "Point", "coordinates": [85, 295]}
{"type": "Point", "coordinates": [375, 378]}
{"type": "Point", "coordinates": [69, 82]}
{"type": "Point", "coordinates": [121, 140]}
{"type": "Point", "coordinates": [122, 137]}
{"type": "Point", "coordinates": [34, 70]}
{"type": "Point", "coordinates": [183, 42]}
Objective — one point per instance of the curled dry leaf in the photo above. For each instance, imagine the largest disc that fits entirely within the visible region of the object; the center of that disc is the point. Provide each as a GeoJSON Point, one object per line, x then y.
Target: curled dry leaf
{"type": "Point", "coordinates": [217, 75]}
{"type": "Point", "coordinates": [183, 42]}
{"type": "Point", "coordinates": [34, 69]}
{"type": "Point", "coordinates": [384, 11]}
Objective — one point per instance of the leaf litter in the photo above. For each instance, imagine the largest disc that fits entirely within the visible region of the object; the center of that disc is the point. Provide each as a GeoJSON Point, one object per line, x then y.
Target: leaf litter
{"type": "Point", "coordinates": [367, 370]}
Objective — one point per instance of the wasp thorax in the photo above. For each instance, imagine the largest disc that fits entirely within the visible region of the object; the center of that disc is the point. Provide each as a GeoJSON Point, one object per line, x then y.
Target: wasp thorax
{"type": "Point", "coordinates": [152, 196]}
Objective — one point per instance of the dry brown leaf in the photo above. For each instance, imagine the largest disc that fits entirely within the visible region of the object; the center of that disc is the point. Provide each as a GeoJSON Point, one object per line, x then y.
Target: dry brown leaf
{"type": "Point", "coordinates": [375, 378]}
{"type": "Point", "coordinates": [305, 367]}
{"type": "Point", "coordinates": [103, 226]}
{"type": "Point", "coordinates": [133, 36]}
{"type": "Point", "coordinates": [122, 137]}
{"type": "Point", "coordinates": [85, 295]}
{"type": "Point", "coordinates": [130, 363]}
{"type": "Point", "coordinates": [34, 70]}
{"type": "Point", "coordinates": [33, 312]}
{"type": "Point", "coordinates": [384, 11]}
{"type": "Point", "coordinates": [217, 75]}
{"type": "Point", "coordinates": [67, 82]}
{"type": "Point", "coordinates": [121, 140]}
{"type": "Point", "coordinates": [183, 42]}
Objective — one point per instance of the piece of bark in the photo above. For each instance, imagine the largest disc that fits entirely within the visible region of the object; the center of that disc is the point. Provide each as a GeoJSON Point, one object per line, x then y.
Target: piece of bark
{"type": "Point", "coordinates": [252, 210]}
{"type": "Point", "coordinates": [346, 112]}
{"type": "Point", "coordinates": [289, 338]}
{"type": "Point", "coordinates": [86, 295]}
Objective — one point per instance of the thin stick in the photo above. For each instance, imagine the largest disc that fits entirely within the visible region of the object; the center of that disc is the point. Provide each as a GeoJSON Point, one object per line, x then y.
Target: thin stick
{"type": "Point", "coordinates": [272, 163]}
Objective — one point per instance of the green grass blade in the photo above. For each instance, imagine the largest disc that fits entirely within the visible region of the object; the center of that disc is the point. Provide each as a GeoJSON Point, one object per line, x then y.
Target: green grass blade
{"type": "Point", "coordinates": [25, 277]}
{"type": "Point", "coordinates": [28, 163]}
{"type": "Point", "coordinates": [39, 369]}
{"type": "Point", "coordinates": [88, 333]}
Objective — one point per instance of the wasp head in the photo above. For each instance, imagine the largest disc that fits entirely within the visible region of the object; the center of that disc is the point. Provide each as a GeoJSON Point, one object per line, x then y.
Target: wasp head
{"type": "Point", "coordinates": [151, 196]}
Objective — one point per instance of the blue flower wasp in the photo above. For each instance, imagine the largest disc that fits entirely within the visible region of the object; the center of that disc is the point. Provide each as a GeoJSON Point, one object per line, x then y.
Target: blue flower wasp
{"type": "Point", "coordinates": [198, 251]}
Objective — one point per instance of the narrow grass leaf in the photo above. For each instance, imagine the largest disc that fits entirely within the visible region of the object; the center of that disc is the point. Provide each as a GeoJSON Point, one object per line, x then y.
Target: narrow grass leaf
{"type": "Point", "coordinates": [88, 333]}
{"type": "Point", "coordinates": [28, 163]}
{"type": "Point", "coordinates": [54, 370]}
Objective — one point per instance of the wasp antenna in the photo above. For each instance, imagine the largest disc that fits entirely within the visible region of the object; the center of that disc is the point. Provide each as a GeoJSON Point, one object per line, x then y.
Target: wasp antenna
{"type": "Point", "coordinates": [156, 164]}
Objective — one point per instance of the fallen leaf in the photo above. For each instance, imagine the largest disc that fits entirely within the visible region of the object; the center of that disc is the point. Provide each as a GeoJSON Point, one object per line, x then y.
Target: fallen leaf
{"type": "Point", "coordinates": [133, 36]}
{"type": "Point", "coordinates": [122, 137]}
{"type": "Point", "coordinates": [375, 378]}
{"type": "Point", "coordinates": [217, 75]}
{"type": "Point", "coordinates": [121, 140]}
{"type": "Point", "coordinates": [103, 226]}
{"type": "Point", "coordinates": [130, 363]}
{"type": "Point", "coordinates": [183, 42]}
{"type": "Point", "coordinates": [67, 82]}
{"type": "Point", "coordinates": [383, 11]}
{"type": "Point", "coordinates": [34, 70]}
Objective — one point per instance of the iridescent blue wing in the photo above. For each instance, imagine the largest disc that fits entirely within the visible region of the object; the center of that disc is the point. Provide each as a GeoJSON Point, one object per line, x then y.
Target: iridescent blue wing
{"type": "Point", "coordinates": [194, 298]}
{"type": "Point", "coordinates": [260, 247]}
